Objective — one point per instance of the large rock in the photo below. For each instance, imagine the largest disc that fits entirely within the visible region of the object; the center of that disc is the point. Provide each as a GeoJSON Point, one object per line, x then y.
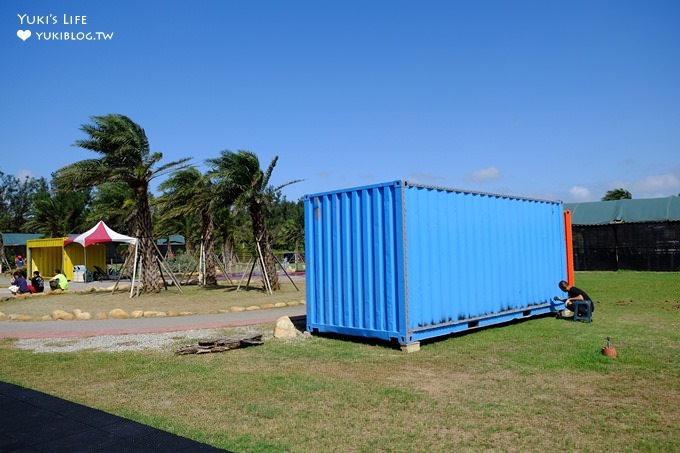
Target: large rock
{"type": "Point", "coordinates": [285, 328]}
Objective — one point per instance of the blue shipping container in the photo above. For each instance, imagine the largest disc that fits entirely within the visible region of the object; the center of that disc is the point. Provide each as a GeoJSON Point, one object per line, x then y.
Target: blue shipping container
{"type": "Point", "coordinates": [407, 262]}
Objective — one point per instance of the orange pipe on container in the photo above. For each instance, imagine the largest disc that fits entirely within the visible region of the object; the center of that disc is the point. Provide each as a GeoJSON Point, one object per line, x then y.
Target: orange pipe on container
{"type": "Point", "coordinates": [570, 247]}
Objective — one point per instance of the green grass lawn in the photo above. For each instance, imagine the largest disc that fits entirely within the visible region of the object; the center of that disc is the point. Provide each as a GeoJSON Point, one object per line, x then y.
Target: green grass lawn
{"type": "Point", "coordinates": [538, 385]}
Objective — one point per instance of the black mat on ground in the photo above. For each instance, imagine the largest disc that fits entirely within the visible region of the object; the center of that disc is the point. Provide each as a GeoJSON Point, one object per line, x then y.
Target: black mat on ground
{"type": "Point", "coordinates": [31, 421]}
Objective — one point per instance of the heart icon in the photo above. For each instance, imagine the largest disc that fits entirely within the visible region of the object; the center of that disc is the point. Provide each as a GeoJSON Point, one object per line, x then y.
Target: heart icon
{"type": "Point", "coordinates": [24, 34]}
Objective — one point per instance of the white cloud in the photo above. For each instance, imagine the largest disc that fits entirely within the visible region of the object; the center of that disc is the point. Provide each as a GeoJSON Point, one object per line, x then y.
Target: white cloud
{"type": "Point", "coordinates": [486, 174]}
{"type": "Point", "coordinates": [657, 185]}
{"type": "Point", "coordinates": [652, 186]}
{"type": "Point", "coordinates": [580, 193]}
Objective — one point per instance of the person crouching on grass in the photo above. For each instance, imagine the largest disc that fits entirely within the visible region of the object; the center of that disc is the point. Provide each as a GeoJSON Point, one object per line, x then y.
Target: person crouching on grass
{"type": "Point", "coordinates": [18, 285]}
{"type": "Point", "coordinates": [573, 294]}
{"type": "Point", "coordinates": [38, 282]}
{"type": "Point", "coordinates": [59, 281]}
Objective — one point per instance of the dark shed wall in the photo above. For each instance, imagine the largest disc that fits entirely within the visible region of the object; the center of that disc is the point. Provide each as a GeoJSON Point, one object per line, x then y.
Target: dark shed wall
{"type": "Point", "coordinates": [652, 246]}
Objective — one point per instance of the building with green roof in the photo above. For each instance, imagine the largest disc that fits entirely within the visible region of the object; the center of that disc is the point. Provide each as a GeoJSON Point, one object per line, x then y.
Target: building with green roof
{"type": "Point", "coordinates": [642, 234]}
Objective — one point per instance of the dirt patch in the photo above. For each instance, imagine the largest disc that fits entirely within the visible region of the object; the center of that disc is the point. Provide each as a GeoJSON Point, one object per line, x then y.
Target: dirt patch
{"type": "Point", "coordinates": [671, 305]}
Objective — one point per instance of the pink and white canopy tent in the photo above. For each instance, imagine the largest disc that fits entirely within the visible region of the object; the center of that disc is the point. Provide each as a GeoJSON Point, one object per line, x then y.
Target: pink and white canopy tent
{"type": "Point", "coordinates": [101, 233]}
{"type": "Point", "coordinates": [98, 234]}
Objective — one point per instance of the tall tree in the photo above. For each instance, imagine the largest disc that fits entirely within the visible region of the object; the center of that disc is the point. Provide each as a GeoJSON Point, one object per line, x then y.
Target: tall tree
{"type": "Point", "coordinates": [125, 157]}
{"type": "Point", "coordinates": [233, 230]}
{"type": "Point", "coordinates": [188, 193]}
{"type": "Point", "coordinates": [617, 194]}
{"type": "Point", "coordinates": [240, 178]}
{"type": "Point", "coordinates": [58, 213]}
{"type": "Point", "coordinates": [16, 201]}
{"type": "Point", "coordinates": [290, 231]}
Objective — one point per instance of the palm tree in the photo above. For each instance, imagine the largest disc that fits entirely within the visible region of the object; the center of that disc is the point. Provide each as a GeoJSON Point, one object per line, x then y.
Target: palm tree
{"type": "Point", "coordinates": [292, 229]}
{"type": "Point", "coordinates": [124, 157]}
{"type": "Point", "coordinates": [240, 178]}
{"type": "Point", "coordinates": [188, 193]}
{"type": "Point", "coordinates": [115, 204]}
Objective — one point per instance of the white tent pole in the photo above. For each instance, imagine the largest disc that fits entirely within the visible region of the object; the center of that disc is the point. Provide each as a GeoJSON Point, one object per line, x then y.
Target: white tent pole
{"type": "Point", "coordinates": [201, 263]}
{"type": "Point", "coordinates": [134, 270]}
{"type": "Point", "coordinates": [141, 270]}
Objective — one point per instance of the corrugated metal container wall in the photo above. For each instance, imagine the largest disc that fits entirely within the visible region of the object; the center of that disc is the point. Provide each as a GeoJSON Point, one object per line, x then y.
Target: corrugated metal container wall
{"type": "Point", "coordinates": [354, 242]}
{"type": "Point", "coordinates": [75, 254]}
{"type": "Point", "coordinates": [45, 255]}
{"type": "Point", "coordinates": [410, 262]}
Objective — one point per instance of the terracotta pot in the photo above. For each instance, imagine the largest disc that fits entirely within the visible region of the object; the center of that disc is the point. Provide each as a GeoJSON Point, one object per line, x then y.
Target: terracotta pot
{"type": "Point", "coordinates": [609, 351]}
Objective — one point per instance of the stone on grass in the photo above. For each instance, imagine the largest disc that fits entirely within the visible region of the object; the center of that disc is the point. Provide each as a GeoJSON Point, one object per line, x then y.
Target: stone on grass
{"type": "Point", "coordinates": [236, 309]}
{"type": "Point", "coordinates": [81, 315]}
{"type": "Point", "coordinates": [253, 308]}
{"type": "Point", "coordinates": [154, 314]}
{"type": "Point", "coordinates": [61, 315]}
{"type": "Point", "coordinates": [118, 313]}
{"type": "Point", "coordinates": [285, 328]}
{"type": "Point", "coordinates": [137, 314]}
{"type": "Point", "coordinates": [20, 317]}
{"type": "Point", "coordinates": [2, 315]}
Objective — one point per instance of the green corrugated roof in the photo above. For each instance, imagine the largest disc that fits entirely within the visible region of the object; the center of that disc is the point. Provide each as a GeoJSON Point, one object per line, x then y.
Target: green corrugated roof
{"type": "Point", "coordinates": [14, 239]}
{"type": "Point", "coordinates": [625, 211]}
{"type": "Point", "coordinates": [175, 239]}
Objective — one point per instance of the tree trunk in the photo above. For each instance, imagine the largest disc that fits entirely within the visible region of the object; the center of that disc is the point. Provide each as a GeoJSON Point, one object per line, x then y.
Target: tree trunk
{"type": "Point", "coordinates": [227, 253]}
{"type": "Point", "coordinates": [3, 257]}
{"type": "Point", "coordinates": [209, 248]}
{"type": "Point", "coordinates": [151, 282]}
{"type": "Point", "coordinates": [261, 235]}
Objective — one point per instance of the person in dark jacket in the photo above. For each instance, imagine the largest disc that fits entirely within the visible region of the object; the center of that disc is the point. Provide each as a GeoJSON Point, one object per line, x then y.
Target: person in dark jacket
{"type": "Point", "coordinates": [573, 294]}
{"type": "Point", "coordinates": [38, 282]}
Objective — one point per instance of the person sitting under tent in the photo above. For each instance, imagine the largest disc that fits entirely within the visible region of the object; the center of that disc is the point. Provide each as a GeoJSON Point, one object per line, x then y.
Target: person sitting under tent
{"type": "Point", "coordinates": [59, 281]}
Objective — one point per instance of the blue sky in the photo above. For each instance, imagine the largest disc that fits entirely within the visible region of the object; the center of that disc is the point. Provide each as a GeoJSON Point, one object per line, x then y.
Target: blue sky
{"type": "Point", "coordinates": [550, 99]}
